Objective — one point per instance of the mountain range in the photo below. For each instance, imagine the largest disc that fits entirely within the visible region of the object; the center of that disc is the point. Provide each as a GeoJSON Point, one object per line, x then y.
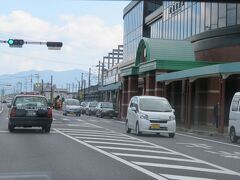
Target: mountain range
{"type": "Point", "coordinates": [62, 79]}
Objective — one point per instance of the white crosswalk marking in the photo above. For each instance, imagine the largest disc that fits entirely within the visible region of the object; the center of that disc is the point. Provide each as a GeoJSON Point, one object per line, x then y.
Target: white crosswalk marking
{"type": "Point", "coordinates": [182, 167]}
{"type": "Point", "coordinates": [143, 155]}
{"type": "Point", "coordinates": [127, 144]}
{"type": "Point", "coordinates": [119, 140]}
{"type": "Point", "coordinates": [154, 157]}
{"type": "Point", "coordinates": [132, 149]}
{"type": "Point", "coordinates": [174, 177]}
{"type": "Point", "coordinates": [65, 119]}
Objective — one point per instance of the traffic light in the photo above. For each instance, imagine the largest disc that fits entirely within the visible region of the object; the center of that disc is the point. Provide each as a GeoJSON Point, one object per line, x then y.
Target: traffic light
{"type": "Point", "coordinates": [54, 45]}
{"type": "Point", "coordinates": [15, 42]}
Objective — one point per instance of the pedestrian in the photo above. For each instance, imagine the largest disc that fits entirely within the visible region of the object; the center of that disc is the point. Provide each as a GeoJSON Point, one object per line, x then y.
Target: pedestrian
{"type": "Point", "coordinates": [215, 114]}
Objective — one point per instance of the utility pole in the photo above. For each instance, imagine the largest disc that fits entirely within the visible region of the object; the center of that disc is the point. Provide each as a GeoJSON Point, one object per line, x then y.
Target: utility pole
{"type": "Point", "coordinates": [51, 95]}
{"type": "Point", "coordinates": [42, 88]}
{"type": "Point", "coordinates": [99, 69]}
{"type": "Point", "coordinates": [78, 90]}
{"type": "Point", "coordinates": [103, 71]}
{"type": "Point", "coordinates": [84, 90]}
{"type": "Point", "coordinates": [31, 84]}
{"type": "Point", "coordinates": [89, 78]}
{"type": "Point", "coordinates": [82, 81]}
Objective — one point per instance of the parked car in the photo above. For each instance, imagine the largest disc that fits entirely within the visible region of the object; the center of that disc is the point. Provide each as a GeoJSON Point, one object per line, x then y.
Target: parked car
{"type": "Point", "coordinates": [234, 118]}
{"type": "Point", "coordinates": [105, 109]}
{"type": "Point", "coordinates": [29, 111]}
{"type": "Point", "coordinates": [90, 108]}
{"type": "Point", "coordinates": [150, 114]}
{"type": "Point", "coordinates": [71, 106]}
{"type": "Point", "coordinates": [83, 106]}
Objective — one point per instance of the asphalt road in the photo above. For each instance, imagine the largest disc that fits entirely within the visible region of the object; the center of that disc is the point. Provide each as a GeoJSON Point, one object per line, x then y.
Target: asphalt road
{"type": "Point", "coordinates": [90, 148]}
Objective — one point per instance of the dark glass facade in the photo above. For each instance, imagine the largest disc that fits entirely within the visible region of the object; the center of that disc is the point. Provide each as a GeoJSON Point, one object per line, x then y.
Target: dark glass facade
{"type": "Point", "coordinates": [133, 31]}
{"type": "Point", "coordinates": [182, 20]}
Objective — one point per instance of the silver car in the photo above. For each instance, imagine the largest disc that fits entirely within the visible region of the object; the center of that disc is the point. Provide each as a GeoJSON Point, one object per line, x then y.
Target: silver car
{"type": "Point", "coordinates": [71, 106]}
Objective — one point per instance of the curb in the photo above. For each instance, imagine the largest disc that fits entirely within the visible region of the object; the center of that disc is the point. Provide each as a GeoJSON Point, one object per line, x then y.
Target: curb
{"type": "Point", "coordinates": [206, 133]}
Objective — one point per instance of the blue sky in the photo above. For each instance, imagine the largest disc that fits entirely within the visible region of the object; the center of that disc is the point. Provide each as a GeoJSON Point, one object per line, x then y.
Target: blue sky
{"type": "Point", "coordinates": [49, 10]}
{"type": "Point", "coordinates": [88, 29]}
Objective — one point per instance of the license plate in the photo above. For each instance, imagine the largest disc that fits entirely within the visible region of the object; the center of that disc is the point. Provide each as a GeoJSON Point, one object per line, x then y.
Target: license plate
{"type": "Point", "coordinates": [155, 126]}
{"type": "Point", "coordinates": [31, 113]}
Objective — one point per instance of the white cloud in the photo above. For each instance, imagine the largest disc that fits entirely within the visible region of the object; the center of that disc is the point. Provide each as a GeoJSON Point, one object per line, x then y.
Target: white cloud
{"type": "Point", "coordinates": [86, 40]}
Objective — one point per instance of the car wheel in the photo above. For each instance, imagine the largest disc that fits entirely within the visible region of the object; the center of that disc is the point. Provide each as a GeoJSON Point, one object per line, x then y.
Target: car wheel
{"type": "Point", "coordinates": [128, 130]}
{"type": "Point", "coordinates": [10, 128]}
{"type": "Point", "coordinates": [47, 128]}
{"type": "Point", "coordinates": [233, 136]}
{"type": "Point", "coordinates": [138, 133]}
{"type": "Point", "coordinates": [171, 135]}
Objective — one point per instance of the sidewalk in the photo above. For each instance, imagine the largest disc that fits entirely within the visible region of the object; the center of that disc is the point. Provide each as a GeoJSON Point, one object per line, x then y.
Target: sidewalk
{"type": "Point", "coordinates": [204, 130]}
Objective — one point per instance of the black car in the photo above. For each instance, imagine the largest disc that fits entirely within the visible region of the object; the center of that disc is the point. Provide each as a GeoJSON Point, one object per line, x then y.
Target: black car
{"type": "Point", "coordinates": [105, 109]}
{"type": "Point", "coordinates": [30, 111]}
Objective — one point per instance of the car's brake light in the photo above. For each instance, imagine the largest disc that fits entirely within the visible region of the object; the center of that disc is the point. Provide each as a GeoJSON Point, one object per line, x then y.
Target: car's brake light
{"type": "Point", "coordinates": [49, 112]}
{"type": "Point", "coordinates": [13, 112]}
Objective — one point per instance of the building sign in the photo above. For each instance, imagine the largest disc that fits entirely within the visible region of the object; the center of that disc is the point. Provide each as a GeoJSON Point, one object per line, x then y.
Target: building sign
{"type": "Point", "coordinates": [176, 7]}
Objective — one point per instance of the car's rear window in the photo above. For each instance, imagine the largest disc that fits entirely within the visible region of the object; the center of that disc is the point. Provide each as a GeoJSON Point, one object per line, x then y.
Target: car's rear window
{"type": "Point", "coordinates": [73, 102]}
{"type": "Point", "coordinates": [107, 105]}
{"type": "Point", "coordinates": [32, 101]}
{"type": "Point", "coordinates": [93, 104]}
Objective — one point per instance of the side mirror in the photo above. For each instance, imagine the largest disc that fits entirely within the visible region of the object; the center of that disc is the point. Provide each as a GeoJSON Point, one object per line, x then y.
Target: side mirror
{"type": "Point", "coordinates": [134, 109]}
{"type": "Point", "coordinates": [9, 105]}
{"type": "Point", "coordinates": [173, 110]}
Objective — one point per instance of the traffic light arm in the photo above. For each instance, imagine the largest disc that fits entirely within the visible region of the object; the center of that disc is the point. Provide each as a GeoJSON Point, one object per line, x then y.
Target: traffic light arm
{"type": "Point", "coordinates": [20, 42]}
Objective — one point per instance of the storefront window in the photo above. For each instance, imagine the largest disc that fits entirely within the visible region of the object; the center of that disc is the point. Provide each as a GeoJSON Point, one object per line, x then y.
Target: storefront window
{"type": "Point", "coordinates": [202, 14]}
{"type": "Point", "coordinates": [194, 19]}
{"type": "Point", "coordinates": [189, 22]}
{"type": "Point", "coordinates": [231, 14]}
{"type": "Point", "coordinates": [222, 15]}
{"type": "Point", "coordinates": [207, 17]}
{"type": "Point", "coordinates": [238, 14]}
{"type": "Point", "coordinates": [214, 17]}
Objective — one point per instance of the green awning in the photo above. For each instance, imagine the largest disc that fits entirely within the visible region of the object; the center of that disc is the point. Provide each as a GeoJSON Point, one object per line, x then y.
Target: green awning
{"type": "Point", "coordinates": [110, 87]}
{"type": "Point", "coordinates": [201, 72]}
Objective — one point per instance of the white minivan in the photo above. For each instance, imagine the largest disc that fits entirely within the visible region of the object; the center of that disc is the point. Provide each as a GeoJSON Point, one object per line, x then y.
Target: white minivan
{"type": "Point", "coordinates": [150, 114]}
{"type": "Point", "coordinates": [234, 118]}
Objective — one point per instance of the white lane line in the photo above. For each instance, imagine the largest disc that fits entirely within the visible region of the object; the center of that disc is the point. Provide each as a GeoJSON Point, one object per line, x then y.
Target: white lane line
{"type": "Point", "coordinates": [94, 125]}
{"type": "Point", "coordinates": [190, 157]}
{"type": "Point", "coordinates": [171, 166]}
{"type": "Point", "coordinates": [6, 118]}
{"type": "Point", "coordinates": [1, 110]}
{"type": "Point", "coordinates": [107, 139]}
{"type": "Point", "coordinates": [137, 150]}
{"type": "Point", "coordinates": [209, 140]}
{"type": "Point", "coordinates": [89, 131]}
{"type": "Point", "coordinates": [122, 122]}
{"type": "Point", "coordinates": [154, 157]}
{"type": "Point", "coordinates": [123, 144]}
{"type": "Point", "coordinates": [54, 119]}
{"type": "Point", "coordinates": [99, 135]}
{"type": "Point", "coordinates": [169, 176]}
{"type": "Point", "coordinates": [3, 131]}
{"type": "Point", "coordinates": [65, 119]}
{"type": "Point", "coordinates": [80, 120]}
{"type": "Point", "coordinates": [145, 171]}
{"type": "Point", "coordinates": [85, 130]}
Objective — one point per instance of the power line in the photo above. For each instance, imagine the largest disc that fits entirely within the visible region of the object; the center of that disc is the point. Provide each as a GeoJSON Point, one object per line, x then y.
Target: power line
{"type": "Point", "coordinates": [44, 59]}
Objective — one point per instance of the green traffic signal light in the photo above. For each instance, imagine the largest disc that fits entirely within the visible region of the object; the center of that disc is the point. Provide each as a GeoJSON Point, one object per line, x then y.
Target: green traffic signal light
{"type": "Point", "coordinates": [10, 41]}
